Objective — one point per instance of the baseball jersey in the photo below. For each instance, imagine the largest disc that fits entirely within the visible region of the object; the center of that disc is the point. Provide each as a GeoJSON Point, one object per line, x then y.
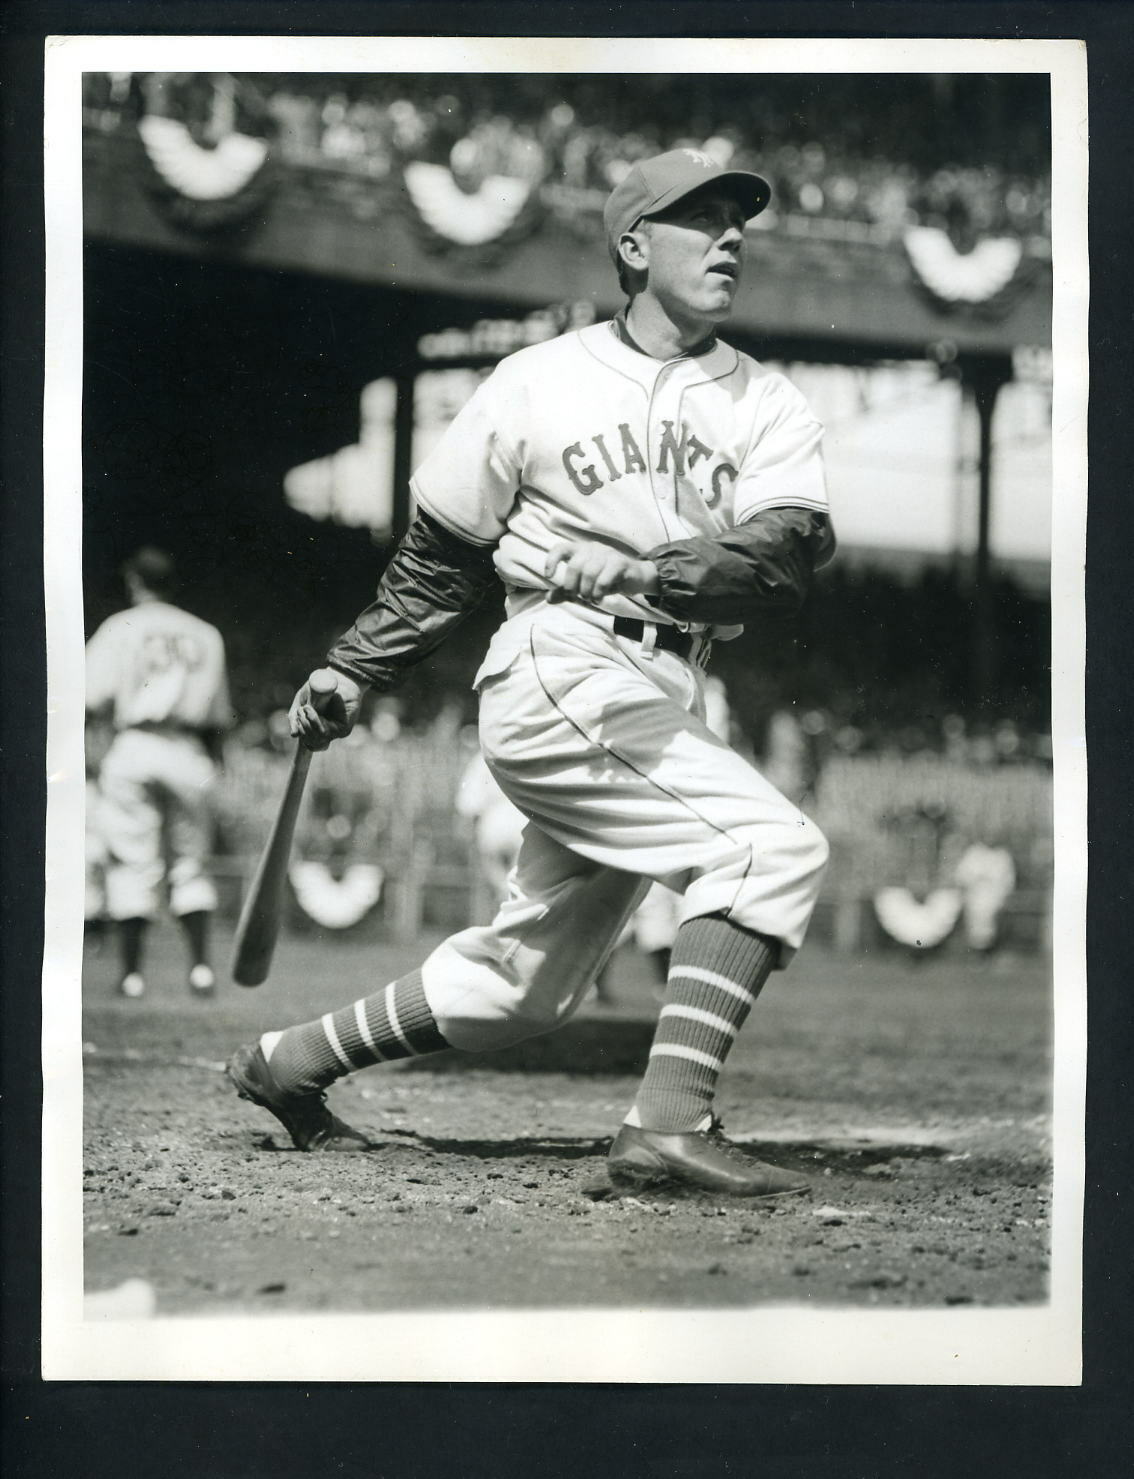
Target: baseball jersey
{"type": "Point", "coordinates": [585, 438]}
{"type": "Point", "coordinates": [157, 664]}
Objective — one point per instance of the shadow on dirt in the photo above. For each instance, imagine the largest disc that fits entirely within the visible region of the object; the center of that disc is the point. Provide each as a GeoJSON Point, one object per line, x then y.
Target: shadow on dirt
{"type": "Point", "coordinates": [599, 1045]}
{"type": "Point", "coordinates": [840, 1159]}
{"type": "Point", "coordinates": [550, 1148]}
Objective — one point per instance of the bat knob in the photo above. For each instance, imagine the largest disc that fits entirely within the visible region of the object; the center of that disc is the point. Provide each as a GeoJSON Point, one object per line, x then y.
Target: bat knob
{"type": "Point", "coordinates": [322, 682]}
{"type": "Point", "coordinates": [321, 685]}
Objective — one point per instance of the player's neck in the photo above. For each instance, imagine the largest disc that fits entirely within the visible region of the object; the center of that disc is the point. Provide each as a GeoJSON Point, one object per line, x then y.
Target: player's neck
{"type": "Point", "coordinates": [655, 333]}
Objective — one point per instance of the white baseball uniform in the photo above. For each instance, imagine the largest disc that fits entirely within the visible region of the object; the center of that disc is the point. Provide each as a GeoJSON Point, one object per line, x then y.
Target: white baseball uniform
{"type": "Point", "coordinates": [161, 672]}
{"type": "Point", "coordinates": [600, 739]}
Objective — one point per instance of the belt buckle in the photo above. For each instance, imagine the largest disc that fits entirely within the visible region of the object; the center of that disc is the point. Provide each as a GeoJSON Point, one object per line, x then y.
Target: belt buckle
{"type": "Point", "coordinates": [649, 640]}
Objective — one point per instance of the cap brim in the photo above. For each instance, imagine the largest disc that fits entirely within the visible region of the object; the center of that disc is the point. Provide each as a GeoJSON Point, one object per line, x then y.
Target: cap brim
{"type": "Point", "coordinates": [753, 192]}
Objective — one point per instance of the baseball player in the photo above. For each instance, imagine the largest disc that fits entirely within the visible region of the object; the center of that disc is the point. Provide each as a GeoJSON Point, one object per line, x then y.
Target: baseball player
{"type": "Point", "coordinates": [159, 675]}
{"type": "Point", "coordinates": [642, 489]}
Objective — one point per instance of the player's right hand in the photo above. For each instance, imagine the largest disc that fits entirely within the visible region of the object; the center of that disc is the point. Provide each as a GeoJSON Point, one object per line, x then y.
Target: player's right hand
{"type": "Point", "coordinates": [587, 570]}
{"type": "Point", "coordinates": [326, 708]}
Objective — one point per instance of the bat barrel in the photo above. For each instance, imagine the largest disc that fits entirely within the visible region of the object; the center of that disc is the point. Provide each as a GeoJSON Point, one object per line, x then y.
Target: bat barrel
{"type": "Point", "coordinates": [259, 924]}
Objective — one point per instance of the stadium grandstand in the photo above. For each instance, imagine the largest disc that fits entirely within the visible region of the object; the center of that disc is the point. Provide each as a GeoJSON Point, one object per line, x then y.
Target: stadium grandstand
{"type": "Point", "coordinates": [827, 158]}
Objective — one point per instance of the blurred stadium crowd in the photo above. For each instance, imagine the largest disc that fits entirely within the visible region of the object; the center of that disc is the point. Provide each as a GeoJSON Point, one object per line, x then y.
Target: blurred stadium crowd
{"type": "Point", "coordinates": [829, 160]}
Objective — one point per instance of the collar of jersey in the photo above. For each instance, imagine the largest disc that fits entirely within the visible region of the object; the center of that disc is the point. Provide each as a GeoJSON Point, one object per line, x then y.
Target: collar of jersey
{"type": "Point", "coordinates": [620, 327]}
{"type": "Point", "coordinates": [603, 341]}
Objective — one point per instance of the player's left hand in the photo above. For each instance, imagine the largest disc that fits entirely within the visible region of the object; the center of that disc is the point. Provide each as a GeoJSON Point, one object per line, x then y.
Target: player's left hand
{"type": "Point", "coordinates": [588, 571]}
{"type": "Point", "coordinates": [326, 708]}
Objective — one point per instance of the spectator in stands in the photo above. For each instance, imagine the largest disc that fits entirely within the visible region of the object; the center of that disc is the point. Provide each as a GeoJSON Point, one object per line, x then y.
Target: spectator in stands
{"type": "Point", "coordinates": [986, 876]}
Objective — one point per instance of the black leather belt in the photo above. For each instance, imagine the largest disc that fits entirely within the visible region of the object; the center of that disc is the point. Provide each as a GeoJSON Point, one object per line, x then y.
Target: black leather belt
{"type": "Point", "coordinates": [669, 638]}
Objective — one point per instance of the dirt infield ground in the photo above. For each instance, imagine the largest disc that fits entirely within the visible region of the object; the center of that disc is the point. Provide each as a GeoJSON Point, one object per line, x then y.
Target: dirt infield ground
{"type": "Point", "coordinates": [917, 1096]}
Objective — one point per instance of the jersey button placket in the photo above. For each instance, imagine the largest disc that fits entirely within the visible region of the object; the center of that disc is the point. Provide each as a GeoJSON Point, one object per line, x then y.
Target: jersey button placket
{"type": "Point", "coordinates": [664, 404]}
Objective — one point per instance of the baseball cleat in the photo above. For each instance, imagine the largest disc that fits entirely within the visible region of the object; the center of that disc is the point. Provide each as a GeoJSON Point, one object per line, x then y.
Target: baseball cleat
{"type": "Point", "coordinates": [305, 1117]}
{"type": "Point", "coordinates": [132, 985]}
{"type": "Point", "coordinates": [202, 981]}
{"type": "Point", "coordinates": [701, 1159]}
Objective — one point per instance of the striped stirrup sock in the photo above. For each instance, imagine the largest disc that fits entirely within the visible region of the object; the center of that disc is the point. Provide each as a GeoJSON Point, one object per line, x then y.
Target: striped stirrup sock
{"type": "Point", "coordinates": [393, 1023]}
{"type": "Point", "coordinates": [715, 975]}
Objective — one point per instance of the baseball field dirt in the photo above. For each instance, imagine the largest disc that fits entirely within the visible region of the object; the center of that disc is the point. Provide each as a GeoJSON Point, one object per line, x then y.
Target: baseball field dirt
{"type": "Point", "coordinates": [915, 1094]}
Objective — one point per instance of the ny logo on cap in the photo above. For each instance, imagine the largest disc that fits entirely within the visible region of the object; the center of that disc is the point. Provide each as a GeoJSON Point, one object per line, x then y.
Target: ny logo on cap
{"type": "Point", "coordinates": [698, 156]}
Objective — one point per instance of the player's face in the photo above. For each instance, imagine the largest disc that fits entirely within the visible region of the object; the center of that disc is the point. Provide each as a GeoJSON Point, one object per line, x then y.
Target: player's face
{"type": "Point", "coordinates": [695, 253]}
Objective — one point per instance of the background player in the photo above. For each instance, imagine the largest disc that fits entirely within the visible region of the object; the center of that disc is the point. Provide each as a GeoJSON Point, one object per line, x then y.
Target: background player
{"type": "Point", "coordinates": [641, 488]}
{"type": "Point", "coordinates": [158, 675]}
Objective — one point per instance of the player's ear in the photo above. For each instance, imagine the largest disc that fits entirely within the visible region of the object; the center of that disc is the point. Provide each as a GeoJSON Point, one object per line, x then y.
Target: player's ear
{"type": "Point", "coordinates": [632, 249]}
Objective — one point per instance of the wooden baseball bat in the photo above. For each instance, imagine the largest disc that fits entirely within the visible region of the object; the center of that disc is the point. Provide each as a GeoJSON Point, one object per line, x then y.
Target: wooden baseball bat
{"type": "Point", "coordinates": [260, 917]}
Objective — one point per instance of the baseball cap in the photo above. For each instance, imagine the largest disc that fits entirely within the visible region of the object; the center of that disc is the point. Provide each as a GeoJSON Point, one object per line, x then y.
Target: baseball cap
{"type": "Point", "coordinates": [652, 185]}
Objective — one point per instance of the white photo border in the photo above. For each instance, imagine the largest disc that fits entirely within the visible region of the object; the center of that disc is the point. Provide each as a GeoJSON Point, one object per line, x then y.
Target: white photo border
{"type": "Point", "coordinates": [783, 1344]}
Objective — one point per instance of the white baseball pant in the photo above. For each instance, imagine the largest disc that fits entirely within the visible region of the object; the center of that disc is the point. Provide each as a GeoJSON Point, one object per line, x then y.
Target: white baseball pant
{"type": "Point", "coordinates": [604, 746]}
{"type": "Point", "coordinates": [155, 820]}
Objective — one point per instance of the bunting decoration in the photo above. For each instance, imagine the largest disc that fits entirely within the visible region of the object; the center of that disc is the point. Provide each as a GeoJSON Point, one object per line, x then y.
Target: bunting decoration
{"type": "Point", "coordinates": [465, 218]}
{"type": "Point", "coordinates": [960, 272]}
{"type": "Point", "coordinates": [471, 217]}
{"type": "Point", "coordinates": [915, 923]}
{"type": "Point", "coordinates": [336, 903]}
{"type": "Point", "coordinates": [205, 151]}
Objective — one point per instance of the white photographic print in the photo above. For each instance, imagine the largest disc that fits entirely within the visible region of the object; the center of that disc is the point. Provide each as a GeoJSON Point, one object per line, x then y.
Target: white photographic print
{"type": "Point", "coordinates": [566, 853]}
